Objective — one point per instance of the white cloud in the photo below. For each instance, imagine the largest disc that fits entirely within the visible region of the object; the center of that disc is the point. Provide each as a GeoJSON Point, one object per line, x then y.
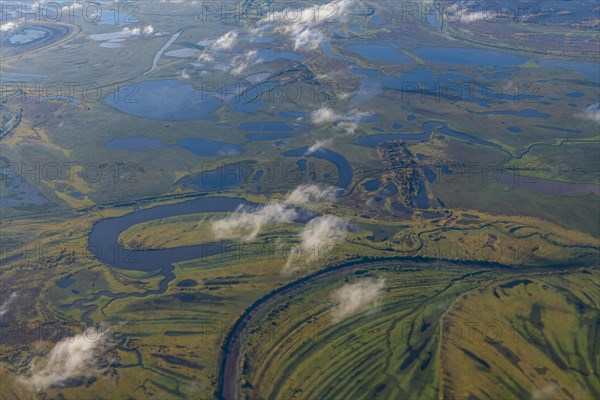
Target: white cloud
{"type": "Point", "coordinates": [206, 57]}
{"type": "Point", "coordinates": [8, 26]}
{"type": "Point", "coordinates": [319, 144]}
{"type": "Point", "coordinates": [184, 74]}
{"type": "Point", "coordinates": [545, 392]}
{"type": "Point", "coordinates": [246, 224]}
{"type": "Point", "coordinates": [123, 34]}
{"type": "Point", "coordinates": [324, 115]}
{"type": "Point", "coordinates": [305, 28]}
{"type": "Point", "coordinates": [592, 113]}
{"type": "Point", "coordinates": [354, 297]}
{"type": "Point", "coordinates": [70, 358]}
{"type": "Point", "coordinates": [305, 195]}
{"type": "Point", "coordinates": [348, 128]}
{"type": "Point", "coordinates": [243, 62]}
{"type": "Point", "coordinates": [347, 124]}
{"type": "Point", "coordinates": [226, 42]}
{"type": "Point", "coordinates": [6, 305]}
{"type": "Point", "coordinates": [327, 228]}
{"type": "Point", "coordinates": [318, 239]}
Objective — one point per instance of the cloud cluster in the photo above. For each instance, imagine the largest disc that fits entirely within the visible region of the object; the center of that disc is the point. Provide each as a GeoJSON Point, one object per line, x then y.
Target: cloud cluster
{"type": "Point", "coordinates": [354, 297]}
{"type": "Point", "coordinates": [306, 28]}
{"type": "Point", "coordinates": [318, 237]}
{"type": "Point", "coordinates": [6, 305]}
{"type": "Point", "coordinates": [347, 123]}
{"type": "Point", "coordinates": [246, 224]}
{"type": "Point", "coordinates": [238, 64]}
{"type": "Point", "coordinates": [70, 358]}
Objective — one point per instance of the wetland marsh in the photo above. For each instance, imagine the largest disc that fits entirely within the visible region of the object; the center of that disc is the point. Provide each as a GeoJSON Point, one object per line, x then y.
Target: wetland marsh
{"type": "Point", "coordinates": [358, 199]}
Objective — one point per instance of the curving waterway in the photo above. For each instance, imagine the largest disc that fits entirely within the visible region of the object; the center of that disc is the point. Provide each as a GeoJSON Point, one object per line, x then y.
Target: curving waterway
{"type": "Point", "coordinates": [103, 243]}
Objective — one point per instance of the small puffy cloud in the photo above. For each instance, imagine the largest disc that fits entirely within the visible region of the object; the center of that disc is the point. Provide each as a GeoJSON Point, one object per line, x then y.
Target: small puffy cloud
{"type": "Point", "coordinates": [318, 238]}
{"type": "Point", "coordinates": [545, 392]}
{"type": "Point", "coordinates": [324, 115]}
{"type": "Point", "coordinates": [319, 144]}
{"type": "Point", "coordinates": [148, 30]}
{"type": "Point", "coordinates": [351, 121]}
{"type": "Point", "coordinates": [6, 305]}
{"type": "Point", "coordinates": [8, 26]}
{"type": "Point", "coordinates": [70, 358]}
{"type": "Point", "coordinates": [352, 298]}
{"type": "Point", "coordinates": [226, 42]}
{"type": "Point", "coordinates": [592, 113]}
{"type": "Point", "coordinates": [243, 62]}
{"type": "Point", "coordinates": [346, 124]}
{"type": "Point", "coordinates": [206, 57]}
{"type": "Point", "coordinates": [246, 224]}
{"type": "Point", "coordinates": [327, 228]}
{"type": "Point", "coordinates": [184, 74]}
{"type": "Point", "coordinates": [348, 128]}
{"type": "Point", "coordinates": [312, 194]}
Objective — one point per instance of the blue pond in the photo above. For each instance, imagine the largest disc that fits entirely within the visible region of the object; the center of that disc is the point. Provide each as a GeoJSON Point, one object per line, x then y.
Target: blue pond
{"type": "Point", "coordinates": [429, 127]}
{"type": "Point", "coordinates": [207, 147]}
{"type": "Point", "coordinates": [345, 172]}
{"type": "Point", "coordinates": [273, 126]}
{"type": "Point", "coordinates": [588, 69]}
{"type": "Point", "coordinates": [165, 100]}
{"type": "Point", "coordinates": [65, 282]}
{"type": "Point", "coordinates": [198, 146]}
{"type": "Point", "coordinates": [364, 71]}
{"type": "Point", "coordinates": [379, 53]}
{"type": "Point", "coordinates": [255, 137]}
{"type": "Point", "coordinates": [372, 185]}
{"type": "Point", "coordinates": [222, 178]}
{"type": "Point", "coordinates": [135, 144]}
{"type": "Point", "coordinates": [468, 56]}
{"type": "Point", "coordinates": [292, 114]}
{"type": "Point", "coordinates": [529, 113]}
{"type": "Point", "coordinates": [390, 190]}
{"type": "Point", "coordinates": [272, 55]}
{"type": "Point", "coordinates": [554, 128]}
